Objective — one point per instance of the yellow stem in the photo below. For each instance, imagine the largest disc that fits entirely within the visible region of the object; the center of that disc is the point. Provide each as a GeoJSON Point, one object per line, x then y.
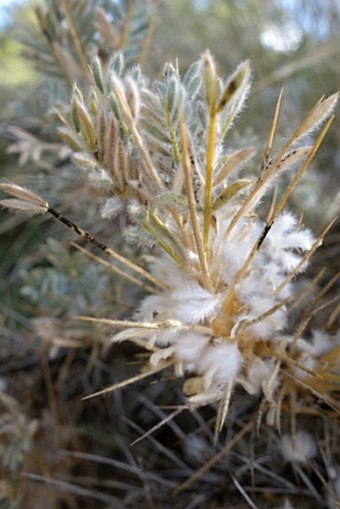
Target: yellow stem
{"type": "Point", "coordinates": [192, 205]}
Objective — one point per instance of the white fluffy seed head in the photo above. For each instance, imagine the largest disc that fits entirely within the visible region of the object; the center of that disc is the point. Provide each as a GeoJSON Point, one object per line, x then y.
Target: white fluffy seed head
{"type": "Point", "coordinates": [194, 303]}
{"type": "Point", "coordinates": [111, 208]}
{"type": "Point", "coordinates": [189, 347]}
{"type": "Point", "coordinates": [299, 449]}
{"type": "Point", "coordinates": [259, 373]}
{"type": "Point", "coordinates": [222, 362]}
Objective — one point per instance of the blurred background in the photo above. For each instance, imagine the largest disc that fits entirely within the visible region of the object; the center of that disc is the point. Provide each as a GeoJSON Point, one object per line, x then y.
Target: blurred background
{"type": "Point", "coordinates": [78, 454]}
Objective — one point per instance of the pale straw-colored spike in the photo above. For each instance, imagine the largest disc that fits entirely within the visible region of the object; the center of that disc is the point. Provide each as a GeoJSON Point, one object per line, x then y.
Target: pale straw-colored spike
{"type": "Point", "coordinates": [299, 331]}
{"type": "Point", "coordinates": [333, 316]}
{"type": "Point", "coordinates": [178, 180]}
{"type": "Point", "coordinates": [322, 109]}
{"type": "Point", "coordinates": [278, 207]}
{"type": "Point", "coordinates": [269, 144]}
{"type": "Point", "coordinates": [262, 182]}
{"type": "Point", "coordinates": [242, 491]}
{"type": "Point", "coordinates": [222, 410]}
{"type": "Point", "coordinates": [247, 323]}
{"type": "Point", "coordinates": [115, 270]}
{"type": "Point", "coordinates": [298, 299]}
{"type": "Point", "coordinates": [129, 381]}
{"type": "Point", "coordinates": [289, 360]}
{"type": "Point", "coordinates": [291, 186]}
{"type": "Point", "coordinates": [318, 114]}
{"type": "Point", "coordinates": [167, 324]}
{"type": "Point", "coordinates": [134, 335]}
{"type": "Point", "coordinates": [268, 388]}
{"type": "Point", "coordinates": [272, 205]}
{"type": "Point", "coordinates": [267, 175]}
{"type": "Point", "coordinates": [159, 425]}
{"type": "Point", "coordinates": [66, 62]}
{"type": "Point", "coordinates": [128, 323]}
{"type": "Point", "coordinates": [324, 289]}
{"type": "Point", "coordinates": [108, 250]}
{"type": "Point", "coordinates": [325, 305]}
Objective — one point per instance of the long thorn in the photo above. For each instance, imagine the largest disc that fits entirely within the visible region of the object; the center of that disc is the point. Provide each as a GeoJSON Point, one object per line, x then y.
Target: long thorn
{"type": "Point", "coordinates": [129, 381]}
{"type": "Point", "coordinates": [269, 145]}
{"type": "Point", "coordinates": [108, 250]}
{"type": "Point", "coordinates": [114, 269]}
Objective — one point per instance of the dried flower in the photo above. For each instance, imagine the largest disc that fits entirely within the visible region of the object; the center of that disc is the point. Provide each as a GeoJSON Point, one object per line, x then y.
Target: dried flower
{"type": "Point", "coordinates": [299, 448]}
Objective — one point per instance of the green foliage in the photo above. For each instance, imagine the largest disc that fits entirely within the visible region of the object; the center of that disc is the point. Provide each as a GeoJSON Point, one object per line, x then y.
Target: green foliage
{"type": "Point", "coordinates": [15, 432]}
{"type": "Point", "coordinates": [70, 33]}
{"type": "Point", "coordinates": [66, 285]}
{"type": "Point", "coordinates": [11, 61]}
